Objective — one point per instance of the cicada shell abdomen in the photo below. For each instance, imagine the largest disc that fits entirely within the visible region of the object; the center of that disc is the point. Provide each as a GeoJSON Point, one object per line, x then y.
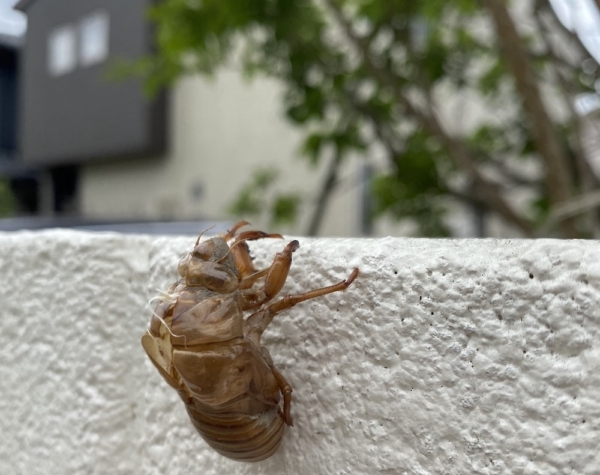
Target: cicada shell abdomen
{"type": "Point", "coordinates": [238, 435]}
{"type": "Point", "coordinates": [230, 396]}
{"type": "Point", "coordinates": [234, 400]}
{"type": "Point", "coordinates": [243, 438]}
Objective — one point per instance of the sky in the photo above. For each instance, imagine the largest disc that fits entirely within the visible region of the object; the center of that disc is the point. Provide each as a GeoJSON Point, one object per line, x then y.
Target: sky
{"type": "Point", "coordinates": [582, 17]}
{"type": "Point", "coordinates": [11, 22]}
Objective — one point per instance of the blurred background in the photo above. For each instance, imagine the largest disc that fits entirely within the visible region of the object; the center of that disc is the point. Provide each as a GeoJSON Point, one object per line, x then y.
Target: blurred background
{"type": "Point", "coordinates": [461, 118]}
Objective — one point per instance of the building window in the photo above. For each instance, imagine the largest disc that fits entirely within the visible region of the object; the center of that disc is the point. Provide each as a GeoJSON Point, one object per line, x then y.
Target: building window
{"type": "Point", "coordinates": [86, 46]}
{"type": "Point", "coordinates": [93, 47]}
{"type": "Point", "coordinates": [62, 53]}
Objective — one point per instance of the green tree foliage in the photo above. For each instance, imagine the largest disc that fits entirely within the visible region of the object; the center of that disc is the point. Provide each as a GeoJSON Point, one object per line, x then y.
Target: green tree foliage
{"type": "Point", "coordinates": [258, 198]}
{"type": "Point", "coordinates": [366, 74]}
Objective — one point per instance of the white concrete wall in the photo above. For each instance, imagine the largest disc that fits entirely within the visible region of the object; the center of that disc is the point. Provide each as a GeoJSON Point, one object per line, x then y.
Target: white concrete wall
{"type": "Point", "coordinates": [444, 357]}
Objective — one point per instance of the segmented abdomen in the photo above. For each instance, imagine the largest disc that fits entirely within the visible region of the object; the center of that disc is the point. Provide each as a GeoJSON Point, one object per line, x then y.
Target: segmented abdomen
{"type": "Point", "coordinates": [240, 436]}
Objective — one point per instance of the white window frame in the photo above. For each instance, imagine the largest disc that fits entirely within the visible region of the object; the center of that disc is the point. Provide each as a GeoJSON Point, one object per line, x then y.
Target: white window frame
{"type": "Point", "coordinates": [94, 38]}
{"type": "Point", "coordinates": [62, 50]}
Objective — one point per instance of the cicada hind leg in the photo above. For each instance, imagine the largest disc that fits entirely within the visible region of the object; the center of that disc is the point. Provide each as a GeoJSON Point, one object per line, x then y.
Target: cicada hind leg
{"type": "Point", "coordinates": [284, 387]}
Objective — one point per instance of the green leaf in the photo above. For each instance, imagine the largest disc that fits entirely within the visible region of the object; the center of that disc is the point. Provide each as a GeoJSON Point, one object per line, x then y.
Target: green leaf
{"type": "Point", "coordinates": [285, 209]}
{"type": "Point", "coordinates": [491, 79]}
{"type": "Point", "coordinates": [251, 198]}
{"type": "Point", "coordinates": [414, 190]}
{"type": "Point", "coordinates": [312, 146]}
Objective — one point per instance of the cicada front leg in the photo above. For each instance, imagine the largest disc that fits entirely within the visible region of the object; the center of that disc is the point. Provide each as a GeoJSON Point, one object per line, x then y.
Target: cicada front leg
{"type": "Point", "coordinates": [241, 253]}
{"type": "Point", "coordinates": [275, 277]}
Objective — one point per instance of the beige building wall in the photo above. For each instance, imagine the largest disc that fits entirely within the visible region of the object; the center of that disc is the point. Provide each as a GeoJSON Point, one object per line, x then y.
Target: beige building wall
{"type": "Point", "coordinates": [221, 131]}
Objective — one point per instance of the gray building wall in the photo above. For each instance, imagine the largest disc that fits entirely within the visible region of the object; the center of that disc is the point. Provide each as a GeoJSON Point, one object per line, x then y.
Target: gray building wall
{"type": "Point", "coordinates": [82, 115]}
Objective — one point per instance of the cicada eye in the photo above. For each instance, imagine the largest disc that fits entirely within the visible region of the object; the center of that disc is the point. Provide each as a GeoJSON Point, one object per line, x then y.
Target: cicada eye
{"type": "Point", "coordinates": [204, 250]}
{"type": "Point", "coordinates": [211, 275]}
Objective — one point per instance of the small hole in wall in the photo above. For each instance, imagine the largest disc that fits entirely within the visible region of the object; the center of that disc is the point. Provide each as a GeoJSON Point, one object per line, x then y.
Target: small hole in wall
{"type": "Point", "coordinates": [395, 272]}
{"type": "Point", "coordinates": [420, 298]}
{"type": "Point", "coordinates": [499, 316]}
{"type": "Point", "coordinates": [583, 421]}
{"type": "Point", "coordinates": [524, 352]}
{"type": "Point", "coordinates": [431, 313]}
{"type": "Point", "coordinates": [530, 276]}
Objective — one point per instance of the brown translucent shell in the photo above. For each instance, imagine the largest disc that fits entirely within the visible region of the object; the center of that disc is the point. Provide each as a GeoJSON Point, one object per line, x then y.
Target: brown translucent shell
{"type": "Point", "coordinates": [204, 348]}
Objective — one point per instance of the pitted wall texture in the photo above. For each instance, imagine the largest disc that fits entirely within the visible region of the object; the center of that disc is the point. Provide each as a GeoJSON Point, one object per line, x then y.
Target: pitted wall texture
{"type": "Point", "coordinates": [444, 357]}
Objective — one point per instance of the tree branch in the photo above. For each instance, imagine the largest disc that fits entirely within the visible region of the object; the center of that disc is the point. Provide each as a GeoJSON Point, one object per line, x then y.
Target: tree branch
{"type": "Point", "coordinates": [586, 176]}
{"type": "Point", "coordinates": [557, 178]}
{"type": "Point", "coordinates": [578, 205]}
{"type": "Point", "coordinates": [327, 189]}
{"type": "Point", "coordinates": [457, 150]}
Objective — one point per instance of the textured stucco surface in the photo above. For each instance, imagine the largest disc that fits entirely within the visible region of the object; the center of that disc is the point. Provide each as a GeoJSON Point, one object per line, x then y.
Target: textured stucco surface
{"type": "Point", "coordinates": [444, 357]}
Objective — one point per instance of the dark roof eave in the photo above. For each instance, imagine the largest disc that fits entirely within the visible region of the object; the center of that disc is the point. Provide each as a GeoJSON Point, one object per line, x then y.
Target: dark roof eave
{"type": "Point", "coordinates": [23, 5]}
